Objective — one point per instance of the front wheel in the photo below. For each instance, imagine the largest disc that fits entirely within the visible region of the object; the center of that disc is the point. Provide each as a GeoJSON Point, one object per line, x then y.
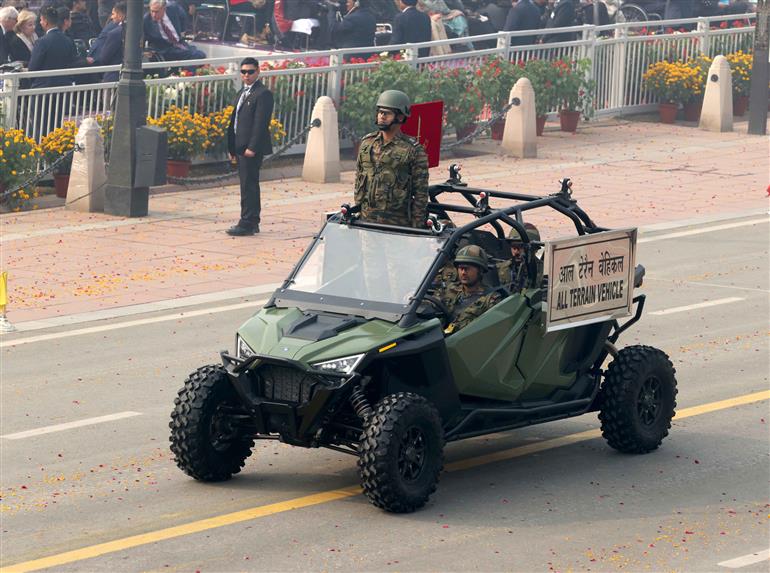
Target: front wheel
{"type": "Point", "coordinates": [638, 399]}
{"type": "Point", "coordinates": [401, 453]}
{"type": "Point", "coordinates": [206, 440]}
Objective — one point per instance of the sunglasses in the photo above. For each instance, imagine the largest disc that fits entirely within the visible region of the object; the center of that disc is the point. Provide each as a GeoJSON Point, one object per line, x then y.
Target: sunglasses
{"type": "Point", "coordinates": [248, 72]}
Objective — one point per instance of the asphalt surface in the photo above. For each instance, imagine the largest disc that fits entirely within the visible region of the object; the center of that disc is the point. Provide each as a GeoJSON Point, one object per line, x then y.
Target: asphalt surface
{"type": "Point", "coordinates": [108, 497]}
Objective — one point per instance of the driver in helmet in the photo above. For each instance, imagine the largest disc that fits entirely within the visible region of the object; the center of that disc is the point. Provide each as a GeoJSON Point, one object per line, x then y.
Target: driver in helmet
{"type": "Point", "coordinates": [392, 168]}
{"type": "Point", "coordinates": [468, 299]}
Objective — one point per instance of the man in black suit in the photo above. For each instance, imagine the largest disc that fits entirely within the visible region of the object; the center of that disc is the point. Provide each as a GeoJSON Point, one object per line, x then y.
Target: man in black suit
{"type": "Point", "coordinates": [82, 28]}
{"type": "Point", "coordinates": [356, 29]}
{"type": "Point", "coordinates": [54, 51]}
{"type": "Point", "coordinates": [564, 15]}
{"type": "Point", "coordinates": [163, 28]}
{"type": "Point", "coordinates": [107, 49]}
{"type": "Point", "coordinates": [411, 26]}
{"type": "Point", "coordinates": [248, 141]}
{"type": "Point", "coordinates": [8, 17]}
{"type": "Point", "coordinates": [525, 15]}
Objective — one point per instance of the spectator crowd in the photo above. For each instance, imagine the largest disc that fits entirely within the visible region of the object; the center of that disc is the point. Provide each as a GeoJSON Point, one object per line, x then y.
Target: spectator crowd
{"type": "Point", "coordinates": [66, 34]}
{"type": "Point", "coordinates": [59, 34]}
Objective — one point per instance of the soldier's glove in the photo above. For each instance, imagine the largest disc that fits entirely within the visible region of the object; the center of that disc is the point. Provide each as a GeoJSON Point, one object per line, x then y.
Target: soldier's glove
{"type": "Point", "coordinates": [434, 224]}
{"type": "Point", "coordinates": [349, 212]}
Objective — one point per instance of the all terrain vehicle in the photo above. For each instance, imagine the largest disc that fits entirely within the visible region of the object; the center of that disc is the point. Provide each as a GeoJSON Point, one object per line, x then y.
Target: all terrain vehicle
{"type": "Point", "coordinates": [350, 352]}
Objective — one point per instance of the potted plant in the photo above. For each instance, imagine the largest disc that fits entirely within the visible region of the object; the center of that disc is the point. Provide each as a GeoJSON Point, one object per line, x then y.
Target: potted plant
{"type": "Point", "coordinates": [188, 137]}
{"type": "Point", "coordinates": [54, 145]}
{"type": "Point", "coordinates": [357, 111]}
{"type": "Point", "coordinates": [740, 64]}
{"type": "Point", "coordinates": [692, 107]}
{"type": "Point", "coordinates": [671, 83]}
{"type": "Point", "coordinates": [542, 75]}
{"type": "Point", "coordinates": [462, 99]}
{"type": "Point", "coordinates": [494, 79]}
{"type": "Point", "coordinates": [18, 160]}
{"type": "Point", "coordinates": [573, 92]}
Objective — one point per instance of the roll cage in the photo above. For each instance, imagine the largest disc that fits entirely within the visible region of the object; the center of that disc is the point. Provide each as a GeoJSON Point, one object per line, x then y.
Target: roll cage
{"type": "Point", "coordinates": [477, 204]}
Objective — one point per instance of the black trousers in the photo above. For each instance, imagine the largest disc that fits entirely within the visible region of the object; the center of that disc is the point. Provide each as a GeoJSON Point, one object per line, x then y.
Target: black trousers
{"type": "Point", "coordinates": [251, 203]}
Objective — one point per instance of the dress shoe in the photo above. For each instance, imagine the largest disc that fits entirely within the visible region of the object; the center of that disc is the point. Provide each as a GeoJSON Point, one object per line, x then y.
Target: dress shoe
{"type": "Point", "coordinates": [238, 231]}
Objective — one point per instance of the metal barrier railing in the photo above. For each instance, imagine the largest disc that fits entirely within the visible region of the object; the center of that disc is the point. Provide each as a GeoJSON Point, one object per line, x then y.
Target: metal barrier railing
{"type": "Point", "coordinates": [619, 53]}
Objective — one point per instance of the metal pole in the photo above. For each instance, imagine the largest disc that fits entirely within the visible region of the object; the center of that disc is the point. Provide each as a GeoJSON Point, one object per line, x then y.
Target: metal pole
{"type": "Point", "coordinates": [121, 196]}
{"type": "Point", "coordinates": [758, 96]}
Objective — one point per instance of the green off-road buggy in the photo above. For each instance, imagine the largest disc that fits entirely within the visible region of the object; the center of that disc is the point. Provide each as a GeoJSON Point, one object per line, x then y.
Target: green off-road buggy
{"type": "Point", "coordinates": [350, 352]}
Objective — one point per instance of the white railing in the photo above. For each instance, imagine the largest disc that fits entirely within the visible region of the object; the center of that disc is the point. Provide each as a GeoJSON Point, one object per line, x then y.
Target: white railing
{"type": "Point", "coordinates": [619, 55]}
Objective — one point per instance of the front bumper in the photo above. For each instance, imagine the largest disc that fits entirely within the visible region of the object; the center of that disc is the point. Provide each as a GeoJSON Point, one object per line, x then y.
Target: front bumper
{"type": "Point", "coordinates": [285, 397]}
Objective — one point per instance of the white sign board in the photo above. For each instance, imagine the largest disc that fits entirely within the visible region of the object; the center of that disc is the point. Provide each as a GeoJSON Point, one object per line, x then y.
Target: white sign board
{"type": "Point", "coordinates": [590, 278]}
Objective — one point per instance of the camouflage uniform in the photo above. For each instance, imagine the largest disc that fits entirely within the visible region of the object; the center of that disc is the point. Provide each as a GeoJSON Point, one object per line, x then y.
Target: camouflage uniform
{"type": "Point", "coordinates": [392, 180]}
{"type": "Point", "coordinates": [464, 306]}
{"type": "Point", "coordinates": [513, 275]}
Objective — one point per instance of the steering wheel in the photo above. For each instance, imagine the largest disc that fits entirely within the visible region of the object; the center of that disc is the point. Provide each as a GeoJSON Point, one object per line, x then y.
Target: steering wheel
{"type": "Point", "coordinates": [443, 312]}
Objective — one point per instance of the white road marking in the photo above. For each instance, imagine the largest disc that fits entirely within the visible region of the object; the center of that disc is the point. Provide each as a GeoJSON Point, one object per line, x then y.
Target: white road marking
{"type": "Point", "coordinates": [706, 229]}
{"type": "Point", "coordinates": [130, 323]}
{"type": "Point", "coordinates": [746, 560]}
{"type": "Point", "coordinates": [147, 307]}
{"type": "Point", "coordinates": [70, 425]}
{"type": "Point", "coordinates": [705, 304]}
{"type": "Point", "coordinates": [697, 283]}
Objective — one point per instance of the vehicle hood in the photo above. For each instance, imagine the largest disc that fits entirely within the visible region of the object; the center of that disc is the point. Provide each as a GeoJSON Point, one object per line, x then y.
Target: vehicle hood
{"type": "Point", "coordinates": [266, 334]}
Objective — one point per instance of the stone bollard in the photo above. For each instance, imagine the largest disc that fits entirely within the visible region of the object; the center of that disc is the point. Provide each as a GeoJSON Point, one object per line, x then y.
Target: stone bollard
{"type": "Point", "coordinates": [717, 112]}
{"type": "Point", "coordinates": [88, 176]}
{"type": "Point", "coordinates": [322, 153]}
{"type": "Point", "coordinates": [520, 135]}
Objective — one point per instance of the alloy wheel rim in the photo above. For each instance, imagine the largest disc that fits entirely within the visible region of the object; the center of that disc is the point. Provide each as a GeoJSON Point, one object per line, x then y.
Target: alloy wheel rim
{"type": "Point", "coordinates": [222, 433]}
{"type": "Point", "coordinates": [411, 457]}
{"type": "Point", "coordinates": [650, 400]}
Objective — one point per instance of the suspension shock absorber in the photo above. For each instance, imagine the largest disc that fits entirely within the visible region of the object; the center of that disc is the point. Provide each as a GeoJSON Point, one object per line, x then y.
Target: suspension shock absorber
{"type": "Point", "coordinates": [360, 404]}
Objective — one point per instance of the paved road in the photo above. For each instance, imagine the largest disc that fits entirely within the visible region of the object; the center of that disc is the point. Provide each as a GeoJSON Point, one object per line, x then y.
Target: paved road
{"type": "Point", "coordinates": [107, 496]}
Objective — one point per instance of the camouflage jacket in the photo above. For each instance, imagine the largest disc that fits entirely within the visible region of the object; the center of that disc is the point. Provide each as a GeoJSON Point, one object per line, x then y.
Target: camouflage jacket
{"type": "Point", "coordinates": [466, 307]}
{"type": "Point", "coordinates": [392, 181]}
{"type": "Point", "coordinates": [514, 278]}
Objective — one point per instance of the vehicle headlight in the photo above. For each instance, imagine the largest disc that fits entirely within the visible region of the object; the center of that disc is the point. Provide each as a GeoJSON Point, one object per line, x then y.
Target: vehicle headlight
{"type": "Point", "coordinates": [345, 365]}
{"type": "Point", "coordinates": [243, 350]}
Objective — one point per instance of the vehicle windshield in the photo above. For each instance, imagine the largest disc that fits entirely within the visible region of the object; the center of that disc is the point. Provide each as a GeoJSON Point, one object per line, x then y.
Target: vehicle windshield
{"type": "Point", "coordinates": [366, 265]}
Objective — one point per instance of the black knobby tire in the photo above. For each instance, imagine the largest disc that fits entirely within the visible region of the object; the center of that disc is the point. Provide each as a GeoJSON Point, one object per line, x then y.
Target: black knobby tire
{"type": "Point", "coordinates": [638, 399]}
{"type": "Point", "coordinates": [205, 443]}
{"type": "Point", "coordinates": [401, 453]}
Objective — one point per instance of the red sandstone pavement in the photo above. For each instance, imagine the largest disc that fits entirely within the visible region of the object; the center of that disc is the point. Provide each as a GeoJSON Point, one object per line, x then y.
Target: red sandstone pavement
{"type": "Point", "coordinates": [625, 174]}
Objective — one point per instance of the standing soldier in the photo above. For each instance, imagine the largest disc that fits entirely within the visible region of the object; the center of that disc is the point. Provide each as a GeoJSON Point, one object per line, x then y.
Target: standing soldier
{"type": "Point", "coordinates": [392, 168]}
{"type": "Point", "coordinates": [468, 299]}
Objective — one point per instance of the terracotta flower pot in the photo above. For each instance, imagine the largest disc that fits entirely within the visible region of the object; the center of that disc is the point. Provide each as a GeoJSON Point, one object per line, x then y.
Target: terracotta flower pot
{"type": "Point", "coordinates": [569, 120]}
{"type": "Point", "coordinates": [692, 110]}
{"type": "Point", "coordinates": [740, 105]}
{"type": "Point", "coordinates": [497, 129]}
{"type": "Point", "coordinates": [465, 131]}
{"type": "Point", "coordinates": [61, 181]}
{"type": "Point", "coordinates": [540, 124]}
{"type": "Point", "coordinates": [177, 168]}
{"type": "Point", "coordinates": [667, 112]}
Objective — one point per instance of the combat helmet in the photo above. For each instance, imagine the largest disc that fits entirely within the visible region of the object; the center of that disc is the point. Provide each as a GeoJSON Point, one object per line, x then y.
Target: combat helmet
{"type": "Point", "coordinates": [395, 99]}
{"type": "Point", "coordinates": [532, 232]}
{"type": "Point", "coordinates": [515, 237]}
{"type": "Point", "coordinates": [472, 255]}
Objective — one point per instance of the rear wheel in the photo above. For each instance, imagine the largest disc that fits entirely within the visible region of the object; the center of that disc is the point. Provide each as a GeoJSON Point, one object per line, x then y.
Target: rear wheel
{"type": "Point", "coordinates": [401, 453]}
{"type": "Point", "coordinates": [638, 399]}
{"type": "Point", "coordinates": [207, 443]}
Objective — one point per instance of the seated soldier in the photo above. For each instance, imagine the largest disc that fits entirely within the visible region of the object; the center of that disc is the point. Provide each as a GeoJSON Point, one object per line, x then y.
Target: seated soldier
{"type": "Point", "coordinates": [514, 273]}
{"type": "Point", "coordinates": [468, 299]}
